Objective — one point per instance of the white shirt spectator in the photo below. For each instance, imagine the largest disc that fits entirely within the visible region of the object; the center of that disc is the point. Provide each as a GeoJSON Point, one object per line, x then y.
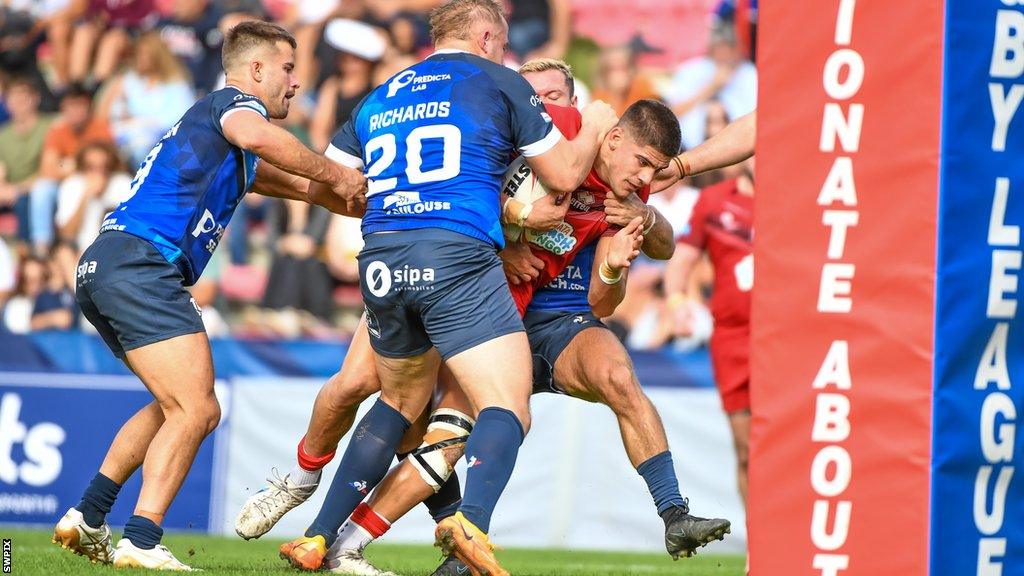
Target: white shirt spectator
{"type": "Point", "coordinates": [72, 193]}
{"type": "Point", "coordinates": [18, 314]}
{"type": "Point", "coordinates": [738, 95]}
{"type": "Point", "coordinates": [676, 204]}
{"type": "Point", "coordinates": [315, 11]}
{"type": "Point", "coordinates": [39, 8]}
{"type": "Point", "coordinates": [7, 270]}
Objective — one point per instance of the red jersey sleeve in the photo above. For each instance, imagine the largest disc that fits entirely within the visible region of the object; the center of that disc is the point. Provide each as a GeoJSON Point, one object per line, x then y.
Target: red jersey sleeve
{"type": "Point", "coordinates": [568, 120]}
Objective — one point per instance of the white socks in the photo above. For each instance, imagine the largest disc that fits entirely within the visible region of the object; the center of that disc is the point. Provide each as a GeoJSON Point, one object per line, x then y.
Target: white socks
{"type": "Point", "coordinates": [299, 476]}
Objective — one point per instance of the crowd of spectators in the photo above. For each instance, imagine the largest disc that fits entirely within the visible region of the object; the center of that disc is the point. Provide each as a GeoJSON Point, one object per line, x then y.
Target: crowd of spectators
{"type": "Point", "coordinates": [87, 87]}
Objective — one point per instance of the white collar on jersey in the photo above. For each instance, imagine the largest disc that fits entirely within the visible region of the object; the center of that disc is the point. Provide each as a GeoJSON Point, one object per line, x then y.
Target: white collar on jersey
{"type": "Point", "coordinates": [449, 51]}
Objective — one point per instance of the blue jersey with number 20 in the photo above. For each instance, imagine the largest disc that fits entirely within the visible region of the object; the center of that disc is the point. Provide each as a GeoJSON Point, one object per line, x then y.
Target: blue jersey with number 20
{"type": "Point", "coordinates": [435, 141]}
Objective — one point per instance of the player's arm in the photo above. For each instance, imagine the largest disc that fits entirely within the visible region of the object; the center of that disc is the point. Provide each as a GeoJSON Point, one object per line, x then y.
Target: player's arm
{"type": "Point", "coordinates": [677, 283]}
{"type": "Point", "coordinates": [735, 143]}
{"type": "Point", "coordinates": [519, 263]}
{"type": "Point", "coordinates": [248, 129]}
{"type": "Point", "coordinates": [659, 242]}
{"type": "Point", "coordinates": [678, 272]}
{"type": "Point", "coordinates": [272, 181]}
{"type": "Point", "coordinates": [612, 259]}
{"type": "Point", "coordinates": [323, 195]}
{"type": "Point", "coordinates": [542, 214]}
{"type": "Point", "coordinates": [565, 165]}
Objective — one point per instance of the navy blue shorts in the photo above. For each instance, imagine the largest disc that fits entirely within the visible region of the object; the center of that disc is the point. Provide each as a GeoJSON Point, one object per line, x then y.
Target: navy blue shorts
{"type": "Point", "coordinates": [132, 295]}
{"type": "Point", "coordinates": [550, 333]}
{"type": "Point", "coordinates": [433, 287]}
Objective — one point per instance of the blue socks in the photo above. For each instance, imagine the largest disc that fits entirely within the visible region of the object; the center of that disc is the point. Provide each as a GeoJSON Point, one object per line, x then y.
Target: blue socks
{"type": "Point", "coordinates": [143, 532]}
{"type": "Point", "coordinates": [660, 476]}
{"type": "Point", "coordinates": [97, 500]}
{"type": "Point", "coordinates": [363, 466]}
{"type": "Point", "coordinates": [491, 455]}
{"type": "Point", "coordinates": [446, 502]}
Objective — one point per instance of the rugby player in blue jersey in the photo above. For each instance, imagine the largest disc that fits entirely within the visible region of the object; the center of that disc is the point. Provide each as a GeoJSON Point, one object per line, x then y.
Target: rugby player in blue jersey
{"type": "Point", "coordinates": [132, 280]}
{"type": "Point", "coordinates": [435, 141]}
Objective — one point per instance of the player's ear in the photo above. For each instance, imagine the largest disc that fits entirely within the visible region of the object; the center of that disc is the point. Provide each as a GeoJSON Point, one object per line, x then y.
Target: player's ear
{"type": "Point", "coordinates": [614, 138]}
{"type": "Point", "coordinates": [256, 70]}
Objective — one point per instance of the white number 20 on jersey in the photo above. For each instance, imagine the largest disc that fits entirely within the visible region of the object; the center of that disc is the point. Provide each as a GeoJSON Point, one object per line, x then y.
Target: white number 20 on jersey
{"type": "Point", "coordinates": [387, 144]}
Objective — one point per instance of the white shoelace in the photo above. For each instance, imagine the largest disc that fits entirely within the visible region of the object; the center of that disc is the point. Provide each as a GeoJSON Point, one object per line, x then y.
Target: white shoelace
{"type": "Point", "coordinates": [281, 496]}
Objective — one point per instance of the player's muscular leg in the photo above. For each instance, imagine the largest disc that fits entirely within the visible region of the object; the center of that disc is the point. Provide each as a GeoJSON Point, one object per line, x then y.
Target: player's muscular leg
{"type": "Point", "coordinates": [595, 367]}
{"type": "Point", "coordinates": [129, 447]}
{"type": "Point", "coordinates": [407, 383]}
{"type": "Point", "coordinates": [179, 374]}
{"type": "Point", "coordinates": [497, 373]}
{"type": "Point", "coordinates": [740, 424]}
{"type": "Point", "coordinates": [404, 487]}
{"type": "Point", "coordinates": [338, 400]}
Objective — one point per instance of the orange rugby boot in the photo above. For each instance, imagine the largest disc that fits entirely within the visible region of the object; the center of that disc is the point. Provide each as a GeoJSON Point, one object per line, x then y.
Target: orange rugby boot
{"type": "Point", "coordinates": [305, 553]}
{"type": "Point", "coordinates": [457, 535]}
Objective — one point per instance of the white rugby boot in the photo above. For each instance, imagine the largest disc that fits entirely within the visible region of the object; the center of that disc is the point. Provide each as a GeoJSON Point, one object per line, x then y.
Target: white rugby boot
{"type": "Point", "coordinates": [127, 555]}
{"type": "Point", "coordinates": [72, 533]}
{"type": "Point", "coordinates": [263, 509]}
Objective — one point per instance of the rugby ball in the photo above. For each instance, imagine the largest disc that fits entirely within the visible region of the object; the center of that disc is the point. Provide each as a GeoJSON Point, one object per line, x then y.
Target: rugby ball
{"type": "Point", "coordinates": [521, 184]}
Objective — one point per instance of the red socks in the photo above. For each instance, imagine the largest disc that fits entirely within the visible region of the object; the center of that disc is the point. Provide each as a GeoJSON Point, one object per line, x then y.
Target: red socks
{"type": "Point", "coordinates": [368, 520]}
{"type": "Point", "coordinates": [312, 463]}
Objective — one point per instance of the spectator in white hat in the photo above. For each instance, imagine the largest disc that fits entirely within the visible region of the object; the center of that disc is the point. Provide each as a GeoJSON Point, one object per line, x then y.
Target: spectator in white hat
{"type": "Point", "coordinates": [359, 48]}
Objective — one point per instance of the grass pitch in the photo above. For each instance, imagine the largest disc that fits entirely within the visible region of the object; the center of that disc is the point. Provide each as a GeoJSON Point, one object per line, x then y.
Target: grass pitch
{"type": "Point", "coordinates": [33, 554]}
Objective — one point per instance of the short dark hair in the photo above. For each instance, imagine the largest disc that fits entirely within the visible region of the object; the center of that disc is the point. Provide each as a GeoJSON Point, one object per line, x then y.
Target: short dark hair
{"type": "Point", "coordinates": [248, 35]}
{"type": "Point", "coordinates": [76, 90]}
{"type": "Point", "coordinates": [24, 82]}
{"type": "Point", "coordinates": [652, 123]}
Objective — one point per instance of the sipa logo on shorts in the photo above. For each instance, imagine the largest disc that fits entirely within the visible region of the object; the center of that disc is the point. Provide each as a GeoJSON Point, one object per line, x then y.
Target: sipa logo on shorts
{"type": "Point", "coordinates": [86, 268]}
{"type": "Point", "coordinates": [380, 279]}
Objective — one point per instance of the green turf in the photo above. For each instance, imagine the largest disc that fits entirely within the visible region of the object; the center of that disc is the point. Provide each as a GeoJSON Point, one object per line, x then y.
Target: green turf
{"type": "Point", "coordinates": [33, 554]}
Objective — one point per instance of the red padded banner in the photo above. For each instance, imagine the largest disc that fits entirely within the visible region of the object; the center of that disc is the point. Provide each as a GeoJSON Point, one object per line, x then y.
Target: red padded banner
{"type": "Point", "coordinates": [845, 227]}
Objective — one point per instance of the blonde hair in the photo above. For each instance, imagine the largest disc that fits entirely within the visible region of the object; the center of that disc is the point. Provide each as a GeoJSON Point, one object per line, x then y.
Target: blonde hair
{"type": "Point", "coordinates": [544, 64]}
{"type": "Point", "coordinates": [248, 35]}
{"type": "Point", "coordinates": [166, 65]}
{"type": "Point", "coordinates": [452, 19]}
